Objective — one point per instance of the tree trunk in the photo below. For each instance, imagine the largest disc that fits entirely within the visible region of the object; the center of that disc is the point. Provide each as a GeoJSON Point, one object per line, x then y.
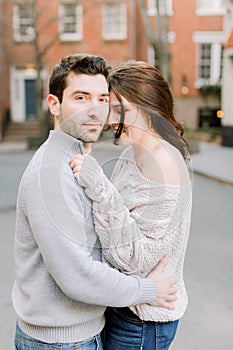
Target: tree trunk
{"type": "Point", "coordinates": [42, 118]}
{"type": "Point", "coordinates": [158, 39]}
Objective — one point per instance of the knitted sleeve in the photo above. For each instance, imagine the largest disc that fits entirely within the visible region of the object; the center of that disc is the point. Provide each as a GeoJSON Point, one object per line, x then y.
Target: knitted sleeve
{"type": "Point", "coordinates": [134, 238]}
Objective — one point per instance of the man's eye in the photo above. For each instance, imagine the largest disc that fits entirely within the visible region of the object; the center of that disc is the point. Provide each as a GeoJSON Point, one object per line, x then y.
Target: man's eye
{"type": "Point", "coordinates": [80, 97]}
{"type": "Point", "coordinates": [104, 100]}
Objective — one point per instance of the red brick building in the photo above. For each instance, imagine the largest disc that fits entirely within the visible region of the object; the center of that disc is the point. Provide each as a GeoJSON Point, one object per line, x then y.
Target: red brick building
{"type": "Point", "coordinates": [113, 29]}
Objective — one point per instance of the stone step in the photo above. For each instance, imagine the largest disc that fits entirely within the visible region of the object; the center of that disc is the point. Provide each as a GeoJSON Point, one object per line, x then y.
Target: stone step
{"type": "Point", "coordinates": [17, 132]}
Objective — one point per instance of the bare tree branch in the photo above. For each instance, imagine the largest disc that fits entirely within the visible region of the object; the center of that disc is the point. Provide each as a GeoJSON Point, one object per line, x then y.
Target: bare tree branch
{"type": "Point", "coordinates": [48, 46]}
{"type": "Point", "coordinates": [146, 21]}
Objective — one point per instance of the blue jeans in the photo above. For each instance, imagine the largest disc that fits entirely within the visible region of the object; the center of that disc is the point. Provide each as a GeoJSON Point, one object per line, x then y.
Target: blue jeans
{"type": "Point", "coordinates": [125, 331]}
{"type": "Point", "coordinates": [24, 342]}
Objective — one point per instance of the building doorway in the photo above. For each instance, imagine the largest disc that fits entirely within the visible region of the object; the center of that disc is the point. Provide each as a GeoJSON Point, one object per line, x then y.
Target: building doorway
{"type": "Point", "coordinates": [23, 94]}
{"type": "Point", "coordinates": [30, 99]}
{"type": "Point", "coordinates": [208, 118]}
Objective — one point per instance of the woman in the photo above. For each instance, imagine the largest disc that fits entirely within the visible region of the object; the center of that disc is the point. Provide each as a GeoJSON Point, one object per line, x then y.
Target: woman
{"type": "Point", "coordinates": [145, 212]}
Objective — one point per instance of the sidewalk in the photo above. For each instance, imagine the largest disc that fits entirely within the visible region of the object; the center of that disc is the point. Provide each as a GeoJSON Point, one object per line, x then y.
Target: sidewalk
{"type": "Point", "coordinates": [212, 160]}
{"type": "Point", "coordinates": [12, 147]}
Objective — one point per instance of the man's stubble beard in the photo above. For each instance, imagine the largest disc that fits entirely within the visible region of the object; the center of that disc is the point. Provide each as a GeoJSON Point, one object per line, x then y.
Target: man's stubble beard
{"type": "Point", "coordinates": [70, 127]}
{"type": "Point", "coordinates": [90, 137]}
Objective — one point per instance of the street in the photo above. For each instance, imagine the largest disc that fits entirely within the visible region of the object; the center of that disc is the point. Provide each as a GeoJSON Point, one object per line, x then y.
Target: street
{"type": "Point", "coordinates": [208, 321]}
{"type": "Point", "coordinates": [11, 169]}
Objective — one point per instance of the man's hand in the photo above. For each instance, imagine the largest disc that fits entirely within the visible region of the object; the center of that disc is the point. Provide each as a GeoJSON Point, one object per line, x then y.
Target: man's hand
{"type": "Point", "coordinates": [166, 291]}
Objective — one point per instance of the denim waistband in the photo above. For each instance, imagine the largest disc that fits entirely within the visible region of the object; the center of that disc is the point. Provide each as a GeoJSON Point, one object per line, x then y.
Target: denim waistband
{"type": "Point", "coordinates": [127, 313]}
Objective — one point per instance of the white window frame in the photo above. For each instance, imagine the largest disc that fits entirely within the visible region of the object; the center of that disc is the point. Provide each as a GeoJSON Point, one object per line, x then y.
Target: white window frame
{"type": "Point", "coordinates": [17, 22]}
{"type": "Point", "coordinates": [152, 11]}
{"type": "Point", "coordinates": [216, 39]}
{"type": "Point", "coordinates": [151, 55]}
{"type": "Point", "coordinates": [211, 7]}
{"type": "Point", "coordinates": [116, 34]}
{"type": "Point", "coordinates": [78, 34]}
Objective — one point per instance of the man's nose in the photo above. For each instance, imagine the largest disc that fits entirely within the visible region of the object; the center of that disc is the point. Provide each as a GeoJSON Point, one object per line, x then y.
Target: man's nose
{"type": "Point", "coordinates": [93, 109]}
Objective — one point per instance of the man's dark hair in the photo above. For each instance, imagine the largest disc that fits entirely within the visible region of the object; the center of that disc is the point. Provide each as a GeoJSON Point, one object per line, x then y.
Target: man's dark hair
{"type": "Point", "coordinates": [79, 64]}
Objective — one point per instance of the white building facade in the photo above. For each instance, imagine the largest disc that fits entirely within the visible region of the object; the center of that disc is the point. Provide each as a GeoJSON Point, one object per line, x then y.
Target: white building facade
{"type": "Point", "coordinates": [227, 79]}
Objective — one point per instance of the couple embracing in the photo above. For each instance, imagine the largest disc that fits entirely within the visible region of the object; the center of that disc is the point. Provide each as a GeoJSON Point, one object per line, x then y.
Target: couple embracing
{"type": "Point", "coordinates": [99, 263]}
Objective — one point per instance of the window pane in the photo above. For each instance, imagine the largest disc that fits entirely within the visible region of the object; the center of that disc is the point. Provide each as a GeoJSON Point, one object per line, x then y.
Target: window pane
{"type": "Point", "coordinates": [114, 21]}
{"type": "Point", "coordinates": [162, 7]}
{"type": "Point", "coordinates": [70, 18]}
{"type": "Point", "coordinates": [70, 21]}
{"type": "Point", "coordinates": [211, 5]}
{"type": "Point", "coordinates": [205, 61]}
{"type": "Point", "coordinates": [25, 20]}
{"type": "Point", "coordinates": [165, 7]}
{"type": "Point", "coordinates": [221, 65]}
{"type": "Point", "coordinates": [205, 3]}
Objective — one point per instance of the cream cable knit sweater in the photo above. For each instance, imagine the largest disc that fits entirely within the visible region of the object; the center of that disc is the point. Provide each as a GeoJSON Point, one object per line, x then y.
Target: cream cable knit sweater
{"type": "Point", "coordinates": [138, 222]}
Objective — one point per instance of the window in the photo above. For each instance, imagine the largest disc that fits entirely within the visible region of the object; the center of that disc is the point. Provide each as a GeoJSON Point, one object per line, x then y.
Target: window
{"type": "Point", "coordinates": [70, 23]}
{"type": "Point", "coordinates": [114, 21]}
{"type": "Point", "coordinates": [204, 62]}
{"type": "Point", "coordinates": [23, 22]}
{"type": "Point", "coordinates": [209, 64]}
{"type": "Point", "coordinates": [209, 57]}
{"type": "Point", "coordinates": [211, 7]}
{"type": "Point", "coordinates": [165, 7]}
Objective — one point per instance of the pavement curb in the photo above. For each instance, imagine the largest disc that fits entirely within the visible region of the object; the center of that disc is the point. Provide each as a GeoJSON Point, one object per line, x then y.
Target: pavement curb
{"type": "Point", "coordinates": [213, 178]}
{"type": "Point", "coordinates": [14, 147]}
{"type": "Point", "coordinates": [214, 162]}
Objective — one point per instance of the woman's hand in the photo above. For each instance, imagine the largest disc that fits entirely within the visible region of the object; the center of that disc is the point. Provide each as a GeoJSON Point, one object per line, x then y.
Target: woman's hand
{"type": "Point", "coordinates": [76, 163]}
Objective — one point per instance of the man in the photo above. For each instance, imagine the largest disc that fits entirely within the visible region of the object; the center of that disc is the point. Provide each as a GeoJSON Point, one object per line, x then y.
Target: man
{"type": "Point", "coordinates": [62, 287]}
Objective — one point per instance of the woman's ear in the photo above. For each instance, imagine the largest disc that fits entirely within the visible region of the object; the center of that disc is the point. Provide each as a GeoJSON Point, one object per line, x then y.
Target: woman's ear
{"type": "Point", "coordinates": [54, 105]}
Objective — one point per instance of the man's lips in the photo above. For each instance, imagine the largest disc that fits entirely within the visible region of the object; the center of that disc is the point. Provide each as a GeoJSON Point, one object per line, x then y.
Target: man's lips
{"type": "Point", "coordinates": [93, 125]}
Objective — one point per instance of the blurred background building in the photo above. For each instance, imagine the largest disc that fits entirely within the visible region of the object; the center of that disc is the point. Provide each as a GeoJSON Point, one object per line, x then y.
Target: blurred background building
{"type": "Point", "coordinates": [191, 42]}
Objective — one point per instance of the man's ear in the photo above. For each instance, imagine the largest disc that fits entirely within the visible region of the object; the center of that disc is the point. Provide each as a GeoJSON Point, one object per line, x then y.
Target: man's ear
{"type": "Point", "coordinates": [54, 105]}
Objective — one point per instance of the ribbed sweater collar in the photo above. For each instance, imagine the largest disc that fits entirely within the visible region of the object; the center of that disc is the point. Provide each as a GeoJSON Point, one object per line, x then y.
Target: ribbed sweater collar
{"type": "Point", "coordinates": [66, 142]}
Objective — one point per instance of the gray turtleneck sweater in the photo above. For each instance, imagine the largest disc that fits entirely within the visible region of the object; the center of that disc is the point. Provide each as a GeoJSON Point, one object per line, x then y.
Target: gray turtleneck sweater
{"type": "Point", "coordinates": [61, 286]}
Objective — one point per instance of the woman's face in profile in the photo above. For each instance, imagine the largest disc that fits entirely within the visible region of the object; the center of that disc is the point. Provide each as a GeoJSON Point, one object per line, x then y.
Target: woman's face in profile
{"type": "Point", "coordinates": [134, 122]}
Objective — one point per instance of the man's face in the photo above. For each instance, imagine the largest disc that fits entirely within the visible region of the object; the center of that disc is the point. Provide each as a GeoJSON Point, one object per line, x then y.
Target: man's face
{"type": "Point", "coordinates": [84, 106]}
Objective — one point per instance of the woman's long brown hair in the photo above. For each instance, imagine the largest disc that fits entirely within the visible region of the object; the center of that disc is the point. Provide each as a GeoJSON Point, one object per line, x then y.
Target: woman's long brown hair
{"type": "Point", "coordinates": [144, 86]}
